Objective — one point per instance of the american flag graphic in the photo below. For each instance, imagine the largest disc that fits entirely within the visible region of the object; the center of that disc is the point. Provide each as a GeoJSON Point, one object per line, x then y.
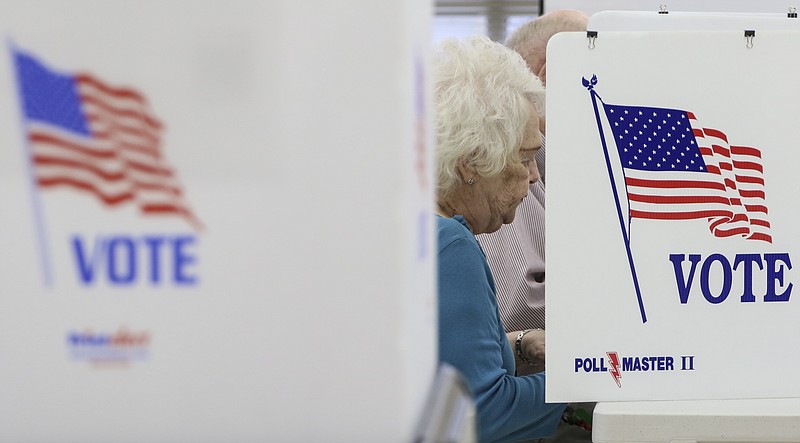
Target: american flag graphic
{"type": "Point", "coordinates": [98, 139]}
{"type": "Point", "coordinates": [676, 169]}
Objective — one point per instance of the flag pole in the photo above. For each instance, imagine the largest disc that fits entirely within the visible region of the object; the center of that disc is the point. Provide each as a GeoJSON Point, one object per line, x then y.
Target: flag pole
{"type": "Point", "coordinates": [44, 254]}
{"type": "Point", "coordinates": [589, 84]}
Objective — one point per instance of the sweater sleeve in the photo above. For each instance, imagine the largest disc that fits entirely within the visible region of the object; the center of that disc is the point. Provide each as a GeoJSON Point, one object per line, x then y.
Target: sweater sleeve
{"type": "Point", "coordinates": [472, 339]}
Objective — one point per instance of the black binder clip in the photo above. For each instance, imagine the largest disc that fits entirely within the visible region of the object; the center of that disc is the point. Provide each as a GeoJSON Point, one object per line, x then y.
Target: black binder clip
{"type": "Point", "coordinates": [792, 12]}
{"type": "Point", "coordinates": [662, 9]}
{"type": "Point", "coordinates": [591, 35]}
{"type": "Point", "coordinates": [748, 35]}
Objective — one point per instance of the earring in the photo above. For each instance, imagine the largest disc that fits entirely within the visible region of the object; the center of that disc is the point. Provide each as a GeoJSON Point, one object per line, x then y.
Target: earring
{"type": "Point", "coordinates": [471, 181]}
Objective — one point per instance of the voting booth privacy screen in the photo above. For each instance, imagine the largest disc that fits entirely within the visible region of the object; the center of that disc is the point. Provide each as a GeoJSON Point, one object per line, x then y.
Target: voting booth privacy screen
{"type": "Point", "coordinates": [214, 227]}
{"type": "Point", "coordinates": [671, 216]}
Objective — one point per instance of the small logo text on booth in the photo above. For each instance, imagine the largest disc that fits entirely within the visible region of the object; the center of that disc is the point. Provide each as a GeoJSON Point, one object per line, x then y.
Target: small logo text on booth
{"type": "Point", "coordinates": [615, 365]}
{"type": "Point", "coordinates": [119, 347]}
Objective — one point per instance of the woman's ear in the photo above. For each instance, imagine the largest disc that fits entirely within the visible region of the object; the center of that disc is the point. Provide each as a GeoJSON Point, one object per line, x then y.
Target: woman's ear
{"type": "Point", "coordinates": [467, 172]}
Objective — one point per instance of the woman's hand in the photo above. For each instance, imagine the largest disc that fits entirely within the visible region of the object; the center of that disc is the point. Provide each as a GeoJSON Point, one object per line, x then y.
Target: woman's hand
{"type": "Point", "coordinates": [532, 349]}
{"type": "Point", "coordinates": [533, 346]}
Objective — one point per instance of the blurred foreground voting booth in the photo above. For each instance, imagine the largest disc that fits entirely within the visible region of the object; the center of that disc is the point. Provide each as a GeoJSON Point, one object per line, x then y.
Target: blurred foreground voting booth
{"type": "Point", "coordinates": [681, 127]}
{"type": "Point", "coordinates": [216, 223]}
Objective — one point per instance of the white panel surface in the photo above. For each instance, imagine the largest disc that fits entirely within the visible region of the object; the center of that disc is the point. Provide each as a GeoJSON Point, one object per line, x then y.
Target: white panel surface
{"type": "Point", "coordinates": [763, 421]}
{"type": "Point", "coordinates": [712, 339]}
{"type": "Point", "coordinates": [297, 303]}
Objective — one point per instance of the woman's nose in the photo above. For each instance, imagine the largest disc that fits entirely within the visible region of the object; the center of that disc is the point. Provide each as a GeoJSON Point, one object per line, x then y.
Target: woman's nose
{"type": "Point", "coordinates": [533, 172]}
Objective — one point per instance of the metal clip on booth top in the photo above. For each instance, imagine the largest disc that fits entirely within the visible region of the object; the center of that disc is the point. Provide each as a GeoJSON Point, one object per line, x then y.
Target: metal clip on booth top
{"type": "Point", "coordinates": [792, 12]}
{"type": "Point", "coordinates": [662, 9]}
{"type": "Point", "coordinates": [591, 35]}
{"type": "Point", "coordinates": [748, 36]}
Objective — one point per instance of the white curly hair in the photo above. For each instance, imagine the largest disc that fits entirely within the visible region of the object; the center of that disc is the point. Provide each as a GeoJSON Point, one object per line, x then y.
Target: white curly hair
{"type": "Point", "coordinates": [482, 92]}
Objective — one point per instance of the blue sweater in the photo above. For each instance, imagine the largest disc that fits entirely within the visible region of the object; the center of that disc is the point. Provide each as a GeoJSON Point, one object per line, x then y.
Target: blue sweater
{"type": "Point", "coordinates": [472, 339]}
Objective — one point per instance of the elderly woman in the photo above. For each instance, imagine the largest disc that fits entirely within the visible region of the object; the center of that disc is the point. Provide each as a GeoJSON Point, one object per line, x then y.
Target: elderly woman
{"type": "Point", "coordinates": [487, 137]}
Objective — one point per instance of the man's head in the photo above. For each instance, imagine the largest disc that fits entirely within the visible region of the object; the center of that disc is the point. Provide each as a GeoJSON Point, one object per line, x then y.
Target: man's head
{"type": "Point", "coordinates": [530, 40]}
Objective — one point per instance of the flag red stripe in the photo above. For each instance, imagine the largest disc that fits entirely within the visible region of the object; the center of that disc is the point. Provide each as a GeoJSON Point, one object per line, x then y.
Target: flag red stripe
{"type": "Point", "coordinates": [746, 150]}
{"type": "Point", "coordinates": [171, 209]}
{"type": "Point", "coordinates": [761, 236]}
{"type": "Point", "coordinates": [110, 200]}
{"type": "Point", "coordinates": [688, 199]}
{"type": "Point", "coordinates": [163, 208]}
{"type": "Point", "coordinates": [717, 221]}
{"type": "Point", "coordinates": [84, 166]}
{"type": "Point", "coordinates": [689, 215]}
{"type": "Point", "coordinates": [721, 151]}
{"type": "Point", "coordinates": [116, 92]}
{"type": "Point", "coordinates": [158, 187]}
{"type": "Point", "coordinates": [749, 179]}
{"type": "Point", "coordinates": [756, 208]}
{"type": "Point", "coordinates": [748, 165]}
{"type": "Point", "coordinates": [672, 184]}
{"type": "Point", "coordinates": [730, 232]}
{"type": "Point", "coordinates": [716, 133]}
{"type": "Point", "coordinates": [53, 140]}
{"type": "Point", "coordinates": [148, 169]}
{"type": "Point", "coordinates": [752, 194]}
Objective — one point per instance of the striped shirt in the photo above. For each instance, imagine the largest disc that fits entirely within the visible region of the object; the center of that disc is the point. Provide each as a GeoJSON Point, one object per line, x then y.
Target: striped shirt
{"type": "Point", "coordinates": [516, 258]}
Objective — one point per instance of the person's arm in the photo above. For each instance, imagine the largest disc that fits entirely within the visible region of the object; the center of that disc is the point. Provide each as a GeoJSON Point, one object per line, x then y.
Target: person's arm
{"type": "Point", "coordinates": [471, 338]}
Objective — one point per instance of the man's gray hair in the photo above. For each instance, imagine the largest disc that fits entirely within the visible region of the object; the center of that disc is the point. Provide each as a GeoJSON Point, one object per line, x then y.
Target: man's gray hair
{"type": "Point", "coordinates": [530, 39]}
